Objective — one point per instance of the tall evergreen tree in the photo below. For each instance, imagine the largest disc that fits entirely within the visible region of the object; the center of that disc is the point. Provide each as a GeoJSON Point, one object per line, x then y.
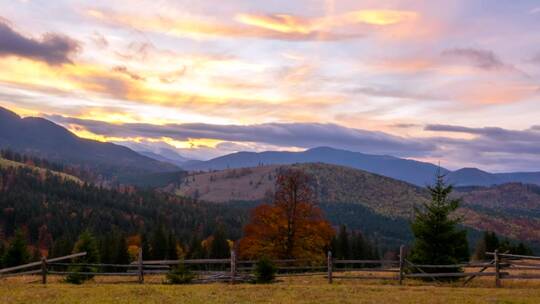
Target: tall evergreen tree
{"type": "Point", "coordinates": [17, 253]}
{"type": "Point", "coordinates": [122, 253]}
{"type": "Point", "coordinates": [342, 243]}
{"type": "Point", "coordinates": [438, 240]}
{"type": "Point", "coordinates": [158, 245]}
{"type": "Point", "coordinates": [172, 244]}
{"type": "Point", "coordinates": [219, 248]}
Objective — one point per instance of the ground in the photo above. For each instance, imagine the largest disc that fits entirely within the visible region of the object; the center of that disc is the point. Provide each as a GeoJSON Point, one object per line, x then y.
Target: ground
{"type": "Point", "coordinates": [297, 290]}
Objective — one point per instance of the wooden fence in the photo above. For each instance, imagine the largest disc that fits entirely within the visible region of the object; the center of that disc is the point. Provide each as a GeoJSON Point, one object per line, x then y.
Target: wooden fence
{"type": "Point", "coordinates": [502, 266]}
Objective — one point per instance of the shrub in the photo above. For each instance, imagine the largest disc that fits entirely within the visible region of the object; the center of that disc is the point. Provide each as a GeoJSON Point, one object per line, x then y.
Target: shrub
{"type": "Point", "coordinates": [86, 243]}
{"type": "Point", "coordinates": [265, 271]}
{"type": "Point", "coordinates": [180, 275]}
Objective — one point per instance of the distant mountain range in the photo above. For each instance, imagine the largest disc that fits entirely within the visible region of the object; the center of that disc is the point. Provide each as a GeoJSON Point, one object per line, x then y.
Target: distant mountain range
{"type": "Point", "coordinates": [43, 138]}
{"type": "Point", "coordinates": [411, 171]}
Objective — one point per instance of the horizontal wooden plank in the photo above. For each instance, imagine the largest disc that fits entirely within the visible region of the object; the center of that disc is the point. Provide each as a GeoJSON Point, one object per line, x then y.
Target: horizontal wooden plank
{"type": "Point", "coordinates": [521, 276]}
{"type": "Point", "coordinates": [94, 265]}
{"type": "Point", "coordinates": [465, 265]}
{"type": "Point", "coordinates": [365, 270]}
{"type": "Point", "coordinates": [453, 274]}
{"type": "Point", "coordinates": [519, 256]}
{"type": "Point", "coordinates": [521, 263]}
{"type": "Point", "coordinates": [532, 268]}
{"type": "Point", "coordinates": [95, 273]}
{"type": "Point", "coordinates": [176, 262]}
{"type": "Point", "coordinates": [304, 274]}
{"type": "Point", "coordinates": [365, 262]}
{"type": "Point", "coordinates": [365, 278]}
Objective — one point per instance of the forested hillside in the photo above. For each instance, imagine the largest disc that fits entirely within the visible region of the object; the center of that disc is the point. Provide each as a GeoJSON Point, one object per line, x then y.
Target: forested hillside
{"type": "Point", "coordinates": [53, 211]}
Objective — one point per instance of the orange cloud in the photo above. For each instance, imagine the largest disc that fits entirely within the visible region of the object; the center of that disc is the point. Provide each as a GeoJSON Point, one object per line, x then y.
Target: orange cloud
{"type": "Point", "coordinates": [277, 26]}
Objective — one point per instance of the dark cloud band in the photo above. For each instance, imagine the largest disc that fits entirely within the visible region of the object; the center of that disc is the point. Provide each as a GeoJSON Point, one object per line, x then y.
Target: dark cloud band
{"type": "Point", "coordinates": [52, 48]}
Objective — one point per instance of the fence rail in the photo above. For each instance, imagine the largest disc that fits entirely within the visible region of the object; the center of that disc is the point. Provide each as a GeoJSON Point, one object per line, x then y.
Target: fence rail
{"type": "Point", "coordinates": [503, 266]}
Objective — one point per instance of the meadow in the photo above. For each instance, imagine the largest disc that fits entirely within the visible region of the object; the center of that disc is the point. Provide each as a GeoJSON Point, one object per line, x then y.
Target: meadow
{"type": "Point", "coordinates": [286, 290]}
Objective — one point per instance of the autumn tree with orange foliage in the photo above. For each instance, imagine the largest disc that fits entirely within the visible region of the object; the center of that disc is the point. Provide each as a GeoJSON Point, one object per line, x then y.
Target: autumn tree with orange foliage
{"type": "Point", "coordinates": [293, 227]}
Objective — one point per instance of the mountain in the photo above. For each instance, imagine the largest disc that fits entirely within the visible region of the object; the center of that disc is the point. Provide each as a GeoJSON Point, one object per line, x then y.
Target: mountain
{"type": "Point", "coordinates": [43, 138]}
{"type": "Point", "coordinates": [473, 176]}
{"type": "Point", "coordinates": [165, 155]}
{"type": "Point", "coordinates": [376, 204]}
{"type": "Point", "coordinates": [415, 172]}
{"type": "Point", "coordinates": [411, 171]}
{"type": "Point", "coordinates": [477, 177]}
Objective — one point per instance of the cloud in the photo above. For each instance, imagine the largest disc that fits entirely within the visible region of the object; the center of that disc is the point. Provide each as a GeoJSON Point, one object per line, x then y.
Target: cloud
{"type": "Point", "coordinates": [52, 48]}
{"type": "Point", "coordinates": [486, 60]}
{"type": "Point", "coordinates": [124, 70]}
{"type": "Point", "coordinates": [351, 25]}
{"type": "Point", "coordinates": [302, 135]}
{"type": "Point", "coordinates": [393, 93]}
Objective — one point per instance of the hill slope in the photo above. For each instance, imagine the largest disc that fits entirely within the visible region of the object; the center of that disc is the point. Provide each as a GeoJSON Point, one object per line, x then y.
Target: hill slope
{"type": "Point", "coordinates": [378, 204]}
{"type": "Point", "coordinates": [43, 138]}
{"type": "Point", "coordinates": [6, 163]}
{"type": "Point", "coordinates": [332, 184]}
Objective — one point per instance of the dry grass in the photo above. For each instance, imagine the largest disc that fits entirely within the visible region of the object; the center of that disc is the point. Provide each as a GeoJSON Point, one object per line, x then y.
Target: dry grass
{"type": "Point", "coordinates": [288, 290]}
{"type": "Point", "coordinates": [9, 163]}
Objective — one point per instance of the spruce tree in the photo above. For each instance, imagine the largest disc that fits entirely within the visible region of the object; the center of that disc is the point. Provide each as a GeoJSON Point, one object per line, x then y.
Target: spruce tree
{"type": "Point", "coordinates": [438, 240]}
{"type": "Point", "coordinates": [219, 249]}
{"type": "Point", "coordinates": [342, 243]}
{"type": "Point", "coordinates": [17, 253]}
{"type": "Point", "coordinates": [158, 245]}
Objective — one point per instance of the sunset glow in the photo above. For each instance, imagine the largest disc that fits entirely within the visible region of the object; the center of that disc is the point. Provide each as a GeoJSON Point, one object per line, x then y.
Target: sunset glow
{"type": "Point", "coordinates": [382, 69]}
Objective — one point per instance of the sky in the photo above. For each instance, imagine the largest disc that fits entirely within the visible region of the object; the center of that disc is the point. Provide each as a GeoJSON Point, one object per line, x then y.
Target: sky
{"type": "Point", "coordinates": [451, 82]}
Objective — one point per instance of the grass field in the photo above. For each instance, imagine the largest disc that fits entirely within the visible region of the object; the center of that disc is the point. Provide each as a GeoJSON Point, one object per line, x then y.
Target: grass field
{"type": "Point", "coordinates": [296, 290]}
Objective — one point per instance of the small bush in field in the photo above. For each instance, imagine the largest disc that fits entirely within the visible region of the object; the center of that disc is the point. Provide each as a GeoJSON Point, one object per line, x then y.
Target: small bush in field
{"type": "Point", "coordinates": [265, 271]}
{"type": "Point", "coordinates": [180, 275]}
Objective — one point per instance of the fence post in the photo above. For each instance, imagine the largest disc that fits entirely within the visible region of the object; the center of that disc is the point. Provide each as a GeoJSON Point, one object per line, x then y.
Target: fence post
{"type": "Point", "coordinates": [43, 270]}
{"type": "Point", "coordinates": [497, 269]}
{"type": "Point", "coordinates": [140, 268]}
{"type": "Point", "coordinates": [330, 267]}
{"type": "Point", "coordinates": [233, 266]}
{"type": "Point", "coordinates": [401, 263]}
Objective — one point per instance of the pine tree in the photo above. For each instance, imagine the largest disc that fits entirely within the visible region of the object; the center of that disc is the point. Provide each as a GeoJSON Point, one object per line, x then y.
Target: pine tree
{"type": "Point", "coordinates": [438, 241]}
{"type": "Point", "coordinates": [219, 248]}
{"type": "Point", "coordinates": [172, 244]}
{"type": "Point", "coordinates": [158, 244]}
{"type": "Point", "coordinates": [17, 253]}
{"type": "Point", "coordinates": [122, 253]}
{"type": "Point", "coordinates": [342, 244]}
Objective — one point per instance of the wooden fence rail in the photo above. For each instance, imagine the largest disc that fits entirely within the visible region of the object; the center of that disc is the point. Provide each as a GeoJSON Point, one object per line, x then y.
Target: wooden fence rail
{"type": "Point", "coordinates": [503, 266]}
